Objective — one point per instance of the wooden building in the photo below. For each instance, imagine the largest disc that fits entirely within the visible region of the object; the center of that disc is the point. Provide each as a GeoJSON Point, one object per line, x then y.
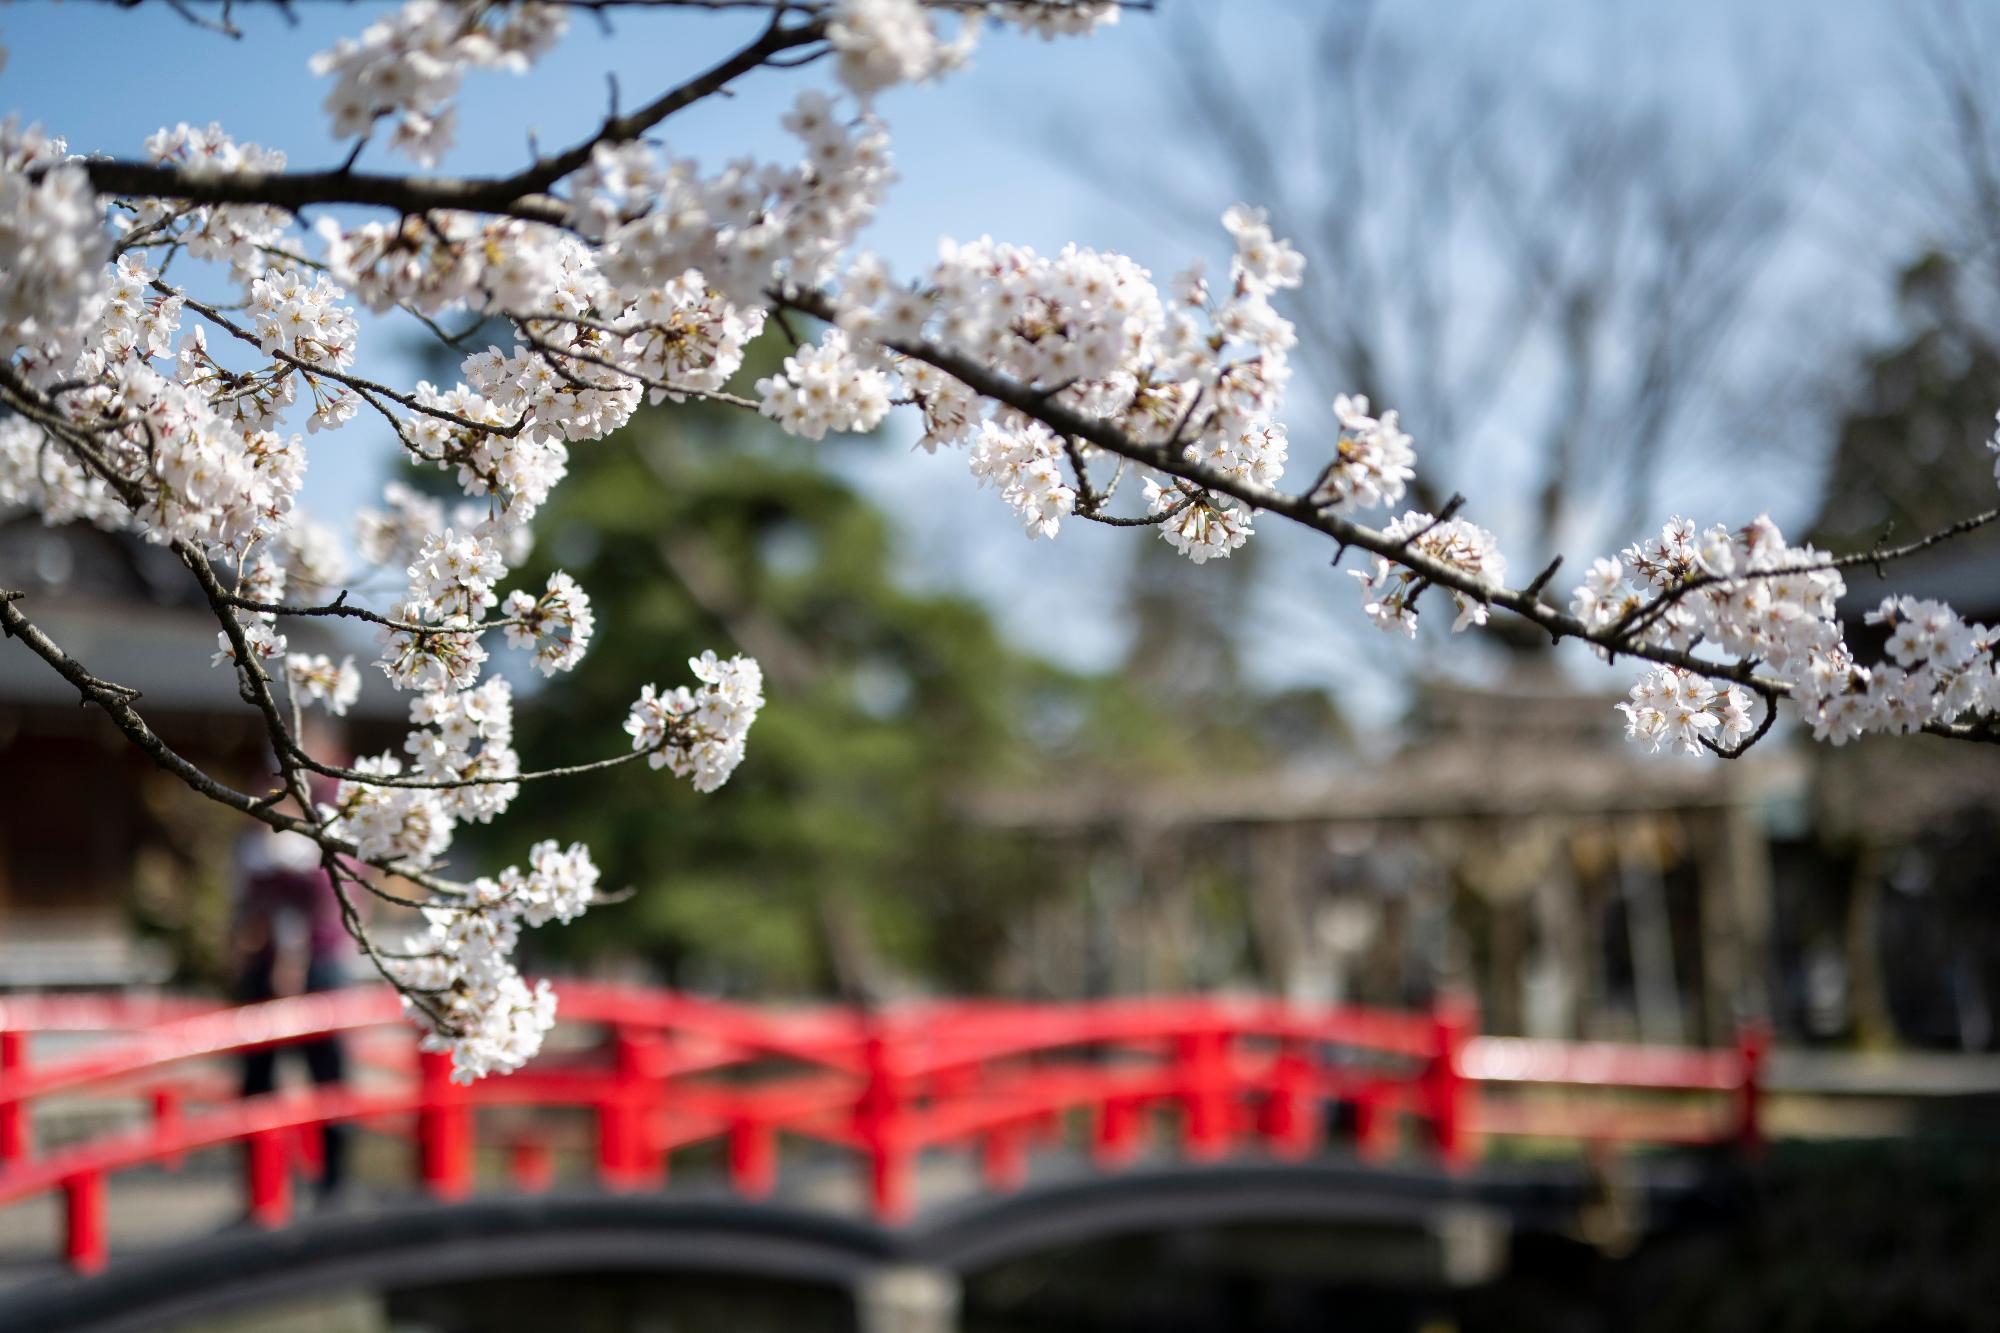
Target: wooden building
{"type": "Point", "coordinates": [112, 871]}
{"type": "Point", "coordinates": [1516, 844]}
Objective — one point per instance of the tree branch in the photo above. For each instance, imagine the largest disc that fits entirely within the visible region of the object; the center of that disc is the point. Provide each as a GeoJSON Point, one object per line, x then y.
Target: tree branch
{"type": "Point", "coordinates": [1525, 603]}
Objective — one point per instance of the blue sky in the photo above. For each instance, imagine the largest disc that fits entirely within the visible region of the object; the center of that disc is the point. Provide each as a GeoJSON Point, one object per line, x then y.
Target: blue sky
{"type": "Point", "coordinates": [983, 153]}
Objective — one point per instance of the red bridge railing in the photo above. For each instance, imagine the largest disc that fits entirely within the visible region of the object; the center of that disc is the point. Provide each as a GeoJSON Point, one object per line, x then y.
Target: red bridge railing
{"type": "Point", "coordinates": [672, 1071]}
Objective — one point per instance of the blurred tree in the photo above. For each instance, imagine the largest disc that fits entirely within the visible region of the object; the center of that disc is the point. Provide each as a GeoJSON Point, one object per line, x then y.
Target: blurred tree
{"type": "Point", "coordinates": [1913, 827]}
{"type": "Point", "coordinates": [1552, 281]}
{"type": "Point", "coordinates": [1185, 624]}
{"type": "Point", "coordinates": [842, 859]}
{"type": "Point", "coordinates": [1909, 450]}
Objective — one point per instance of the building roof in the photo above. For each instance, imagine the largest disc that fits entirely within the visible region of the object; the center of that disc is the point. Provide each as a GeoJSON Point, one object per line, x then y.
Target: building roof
{"type": "Point", "coordinates": [128, 612]}
{"type": "Point", "coordinates": [1533, 745]}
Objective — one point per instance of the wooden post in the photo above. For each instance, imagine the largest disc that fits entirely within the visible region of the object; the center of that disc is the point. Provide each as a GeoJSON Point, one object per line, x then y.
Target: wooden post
{"type": "Point", "coordinates": [628, 1153]}
{"type": "Point", "coordinates": [270, 1182]}
{"type": "Point", "coordinates": [309, 1143]}
{"type": "Point", "coordinates": [1291, 1115]}
{"type": "Point", "coordinates": [13, 1113]}
{"type": "Point", "coordinates": [1003, 1157]}
{"type": "Point", "coordinates": [753, 1158]}
{"type": "Point", "coordinates": [167, 1121]}
{"type": "Point", "coordinates": [83, 1203]}
{"type": "Point", "coordinates": [1202, 1061]}
{"type": "Point", "coordinates": [444, 1130]}
{"type": "Point", "coordinates": [1649, 928]}
{"type": "Point", "coordinates": [531, 1165]}
{"type": "Point", "coordinates": [879, 1127]}
{"type": "Point", "coordinates": [1448, 1091]}
{"type": "Point", "coordinates": [1753, 1045]}
{"type": "Point", "coordinates": [1115, 1136]}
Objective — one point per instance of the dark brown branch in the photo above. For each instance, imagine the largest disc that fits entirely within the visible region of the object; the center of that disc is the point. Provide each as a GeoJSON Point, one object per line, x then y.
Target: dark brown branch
{"type": "Point", "coordinates": [521, 195]}
{"type": "Point", "coordinates": [1646, 614]}
{"type": "Point", "coordinates": [1301, 509]}
{"type": "Point", "coordinates": [1742, 747]}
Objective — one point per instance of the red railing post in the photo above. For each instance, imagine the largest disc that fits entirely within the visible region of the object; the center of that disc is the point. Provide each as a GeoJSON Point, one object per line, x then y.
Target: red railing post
{"type": "Point", "coordinates": [531, 1165]}
{"type": "Point", "coordinates": [1115, 1137]}
{"type": "Point", "coordinates": [1202, 1061]}
{"type": "Point", "coordinates": [628, 1155]}
{"type": "Point", "coordinates": [1374, 1123]}
{"type": "Point", "coordinates": [880, 1129]}
{"type": "Point", "coordinates": [309, 1144]}
{"type": "Point", "coordinates": [1048, 1127]}
{"type": "Point", "coordinates": [444, 1129]}
{"type": "Point", "coordinates": [1291, 1112]}
{"type": "Point", "coordinates": [166, 1122]}
{"type": "Point", "coordinates": [1003, 1157]}
{"type": "Point", "coordinates": [270, 1182]}
{"type": "Point", "coordinates": [1753, 1046]}
{"type": "Point", "coordinates": [1449, 1092]}
{"type": "Point", "coordinates": [85, 1243]}
{"type": "Point", "coordinates": [13, 1112]}
{"type": "Point", "coordinates": [753, 1157]}
{"type": "Point", "coordinates": [615, 1129]}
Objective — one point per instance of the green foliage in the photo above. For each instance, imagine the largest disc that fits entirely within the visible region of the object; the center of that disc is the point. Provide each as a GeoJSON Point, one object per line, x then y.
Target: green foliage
{"type": "Point", "coordinates": [882, 705]}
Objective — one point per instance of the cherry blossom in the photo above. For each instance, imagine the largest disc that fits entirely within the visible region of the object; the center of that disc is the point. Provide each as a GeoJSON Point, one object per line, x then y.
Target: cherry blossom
{"type": "Point", "coordinates": [409, 66]}
{"type": "Point", "coordinates": [699, 733]}
{"type": "Point", "coordinates": [886, 42]}
{"type": "Point", "coordinates": [1390, 590]}
{"type": "Point", "coordinates": [53, 247]}
{"type": "Point", "coordinates": [556, 625]}
{"type": "Point", "coordinates": [1197, 526]}
{"type": "Point", "coordinates": [1674, 706]}
{"type": "Point", "coordinates": [1757, 598]}
{"type": "Point", "coordinates": [825, 387]}
{"type": "Point", "coordinates": [314, 678]}
{"type": "Point", "coordinates": [1024, 465]}
{"type": "Point", "coordinates": [1372, 459]}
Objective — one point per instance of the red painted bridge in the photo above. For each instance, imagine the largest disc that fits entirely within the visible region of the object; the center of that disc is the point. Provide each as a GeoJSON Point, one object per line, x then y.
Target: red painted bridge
{"type": "Point", "coordinates": [635, 1078]}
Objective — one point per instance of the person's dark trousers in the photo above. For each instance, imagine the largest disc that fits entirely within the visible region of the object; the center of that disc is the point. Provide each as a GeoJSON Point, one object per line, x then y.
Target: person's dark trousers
{"type": "Point", "coordinates": [326, 1062]}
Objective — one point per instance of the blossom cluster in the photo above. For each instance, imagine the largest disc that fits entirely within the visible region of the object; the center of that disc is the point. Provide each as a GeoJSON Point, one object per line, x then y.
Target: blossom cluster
{"type": "Point", "coordinates": [1196, 525]}
{"type": "Point", "coordinates": [314, 678]}
{"type": "Point", "coordinates": [52, 245]}
{"type": "Point", "coordinates": [1674, 706]}
{"type": "Point", "coordinates": [882, 43]}
{"type": "Point", "coordinates": [699, 733]}
{"type": "Point", "coordinates": [1091, 332]}
{"type": "Point", "coordinates": [556, 626]}
{"type": "Point", "coordinates": [247, 237]}
{"type": "Point", "coordinates": [656, 218]}
{"type": "Point", "coordinates": [409, 65]}
{"type": "Point", "coordinates": [1022, 460]}
{"type": "Point", "coordinates": [461, 983]}
{"type": "Point", "coordinates": [445, 728]}
{"type": "Point", "coordinates": [399, 825]}
{"type": "Point", "coordinates": [1372, 459]}
{"type": "Point", "coordinates": [1751, 594]}
{"type": "Point", "coordinates": [1257, 455]}
{"type": "Point", "coordinates": [261, 581]}
{"type": "Point", "coordinates": [1390, 590]}
{"type": "Point", "coordinates": [52, 483]}
{"type": "Point", "coordinates": [168, 443]}
{"type": "Point", "coordinates": [826, 387]}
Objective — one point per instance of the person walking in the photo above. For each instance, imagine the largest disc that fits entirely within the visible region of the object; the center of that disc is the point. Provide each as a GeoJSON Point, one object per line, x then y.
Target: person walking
{"type": "Point", "coordinates": [289, 940]}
